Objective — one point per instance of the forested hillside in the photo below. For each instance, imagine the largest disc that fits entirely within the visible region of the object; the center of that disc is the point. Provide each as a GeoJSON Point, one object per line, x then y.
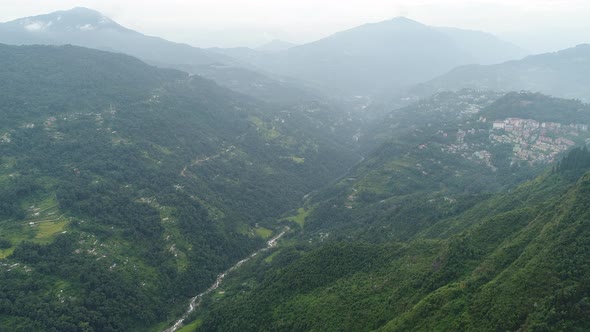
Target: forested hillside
{"type": "Point", "coordinates": [442, 155]}
{"type": "Point", "coordinates": [514, 261]}
{"type": "Point", "coordinates": [88, 28]}
{"type": "Point", "coordinates": [382, 174]}
{"type": "Point", "coordinates": [127, 188]}
{"type": "Point", "coordinates": [434, 230]}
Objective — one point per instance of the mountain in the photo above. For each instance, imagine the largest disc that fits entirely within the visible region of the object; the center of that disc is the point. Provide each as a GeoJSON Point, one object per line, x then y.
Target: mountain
{"type": "Point", "coordinates": [436, 231]}
{"type": "Point", "coordinates": [366, 60]}
{"type": "Point", "coordinates": [275, 45]}
{"type": "Point", "coordinates": [89, 28]}
{"type": "Point", "coordinates": [388, 55]}
{"type": "Point", "coordinates": [129, 192]}
{"type": "Point", "coordinates": [563, 74]}
{"type": "Point", "coordinates": [442, 154]}
{"type": "Point", "coordinates": [260, 85]}
{"type": "Point", "coordinates": [126, 188]}
{"type": "Point", "coordinates": [486, 48]}
{"type": "Point", "coordinates": [518, 262]}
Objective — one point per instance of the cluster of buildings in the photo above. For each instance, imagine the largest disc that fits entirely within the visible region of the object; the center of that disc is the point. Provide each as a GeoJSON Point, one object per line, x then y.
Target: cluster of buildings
{"type": "Point", "coordinates": [531, 141]}
{"type": "Point", "coordinates": [535, 141]}
{"type": "Point", "coordinates": [474, 152]}
{"type": "Point", "coordinates": [517, 124]}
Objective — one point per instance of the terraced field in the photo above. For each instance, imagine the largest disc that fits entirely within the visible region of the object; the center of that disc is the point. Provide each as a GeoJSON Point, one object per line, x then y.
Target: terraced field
{"type": "Point", "coordinates": [42, 223]}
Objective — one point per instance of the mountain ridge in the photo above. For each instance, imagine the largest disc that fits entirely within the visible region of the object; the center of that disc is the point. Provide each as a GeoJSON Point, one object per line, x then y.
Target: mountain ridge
{"type": "Point", "coordinates": [126, 187]}
{"type": "Point", "coordinates": [102, 33]}
{"type": "Point", "coordinates": [562, 74]}
{"type": "Point", "coordinates": [514, 259]}
{"type": "Point", "coordinates": [89, 28]}
{"type": "Point", "coordinates": [374, 57]}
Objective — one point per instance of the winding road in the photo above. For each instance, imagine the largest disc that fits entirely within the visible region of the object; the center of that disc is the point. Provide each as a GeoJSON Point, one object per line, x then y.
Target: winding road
{"type": "Point", "coordinates": [196, 301]}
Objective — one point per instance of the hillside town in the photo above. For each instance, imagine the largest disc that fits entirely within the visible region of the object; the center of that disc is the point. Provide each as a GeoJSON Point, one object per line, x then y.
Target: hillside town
{"type": "Point", "coordinates": [530, 140]}
{"type": "Point", "coordinates": [535, 141]}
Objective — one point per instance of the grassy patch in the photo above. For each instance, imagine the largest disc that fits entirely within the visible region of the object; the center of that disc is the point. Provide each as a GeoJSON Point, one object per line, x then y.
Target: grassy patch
{"type": "Point", "coordinates": [219, 294]}
{"type": "Point", "coordinates": [271, 257]}
{"type": "Point", "coordinates": [266, 131]}
{"type": "Point", "coordinates": [48, 229]}
{"type": "Point", "coordinates": [192, 326]}
{"type": "Point", "coordinates": [42, 223]}
{"type": "Point", "coordinates": [299, 219]}
{"type": "Point", "coordinates": [6, 252]}
{"type": "Point", "coordinates": [15, 233]}
{"type": "Point", "coordinates": [297, 160]}
{"type": "Point", "coordinates": [262, 232]}
{"type": "Point", "coordinates": [44, 218]}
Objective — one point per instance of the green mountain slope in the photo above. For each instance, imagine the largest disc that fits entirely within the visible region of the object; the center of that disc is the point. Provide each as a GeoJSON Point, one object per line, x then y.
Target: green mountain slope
{"type": "Point", "coordinates": [432, 231]}
{"type": "Point", "coordinates": [88, 28]}
{"type": "Point", "coordinates": [440, 156]}
{"type": "Point", "coordinates": [125, 189]}
{"type": "Point", "coordinates": [518, 262]}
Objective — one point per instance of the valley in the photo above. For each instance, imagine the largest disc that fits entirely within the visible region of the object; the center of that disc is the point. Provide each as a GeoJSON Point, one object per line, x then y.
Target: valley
{"type": "Point", "coordinates": [392, 176]}
{"type": "Point", "coordinates": [119, 202]}
{"type": "Point", "coordinates": [195, 302]}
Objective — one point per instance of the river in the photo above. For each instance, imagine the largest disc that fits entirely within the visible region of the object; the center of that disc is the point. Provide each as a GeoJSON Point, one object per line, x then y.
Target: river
{"type": "Point", "coordinates": [196, 301]}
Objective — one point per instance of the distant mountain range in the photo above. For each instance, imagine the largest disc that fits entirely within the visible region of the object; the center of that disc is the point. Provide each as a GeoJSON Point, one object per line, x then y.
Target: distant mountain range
{"type": "Point", "coordinates": [361, 61]}
{"type": "Point", "coordinates": [127, 189]}
{"type": "Point", "coordinates": [89, 28]}
{"type": "Point", "coordinates": [564, 74]}
{"type": "Point", "coordinates": [387, 55]}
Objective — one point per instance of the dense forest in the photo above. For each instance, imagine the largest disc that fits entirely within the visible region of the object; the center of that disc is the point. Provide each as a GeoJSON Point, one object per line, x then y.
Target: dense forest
{"type": "Point", "coordinates": [127, 188]}
{"type": "Point", "coordinates": [443, 163]}
{"type": "Point", "coordinates": [422, 237]}
{"type": "Point", "coordinates": [513, 261]}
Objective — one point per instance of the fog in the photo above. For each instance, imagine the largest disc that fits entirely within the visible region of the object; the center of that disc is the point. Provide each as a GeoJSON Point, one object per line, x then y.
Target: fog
{"type": "Point", "coordinates": [230, 23]}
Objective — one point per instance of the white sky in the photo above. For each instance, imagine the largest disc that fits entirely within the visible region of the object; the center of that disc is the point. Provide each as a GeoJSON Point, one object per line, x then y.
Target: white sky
{"type": "Point", "coordinates": [539, 25]}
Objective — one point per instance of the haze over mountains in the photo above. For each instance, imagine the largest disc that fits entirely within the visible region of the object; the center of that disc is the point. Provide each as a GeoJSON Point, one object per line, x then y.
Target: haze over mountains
{"type": "Point", "coordinates": [89, 28]}
{"type": "Point", "coordinates": [390, 177]}
{"type": "Point", "coordinates": [361, 61]}
{"type": "Point", "coordinates": [371, 58]}
{"type": "Point", "coordinates": [563, 73]}
{"type": "Point", "coordinates": [86, 27]}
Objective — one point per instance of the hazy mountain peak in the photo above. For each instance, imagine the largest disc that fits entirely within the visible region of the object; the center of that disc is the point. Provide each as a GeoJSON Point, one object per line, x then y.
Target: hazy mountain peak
{"type": "Point", "coordinates": [89, 28]}
{"type": "Point", "coordinates": [404, 20]}
{"type": "Point", "coordinates": [75, 19]}
{"type": "Point", "coordinates": [397, 23]}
